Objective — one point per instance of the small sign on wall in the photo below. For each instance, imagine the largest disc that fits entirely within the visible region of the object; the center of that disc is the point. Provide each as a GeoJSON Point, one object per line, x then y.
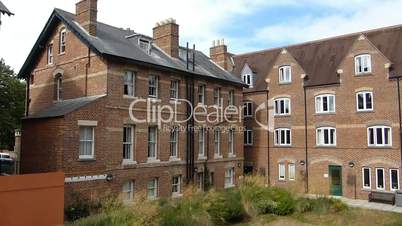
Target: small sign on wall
{"type": "Point", "coordinates": [325, 175]}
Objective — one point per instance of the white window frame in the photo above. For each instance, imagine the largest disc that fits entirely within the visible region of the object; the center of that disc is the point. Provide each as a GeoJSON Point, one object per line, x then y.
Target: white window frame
{"type": "Point", "coordinates": [390, 179]}
{"type": "Point", "coordinates": [153, 83]}
{"type": "Point", "coordinates": [278, 106]}
{"type": "Point", "coordinates": [248, 133]}
{"type": "Point", "coordinates": [128, 190]}
{"type": "Point", "coordinates": [248, 79]}
{"type": "Point", "coordinates": [50, 56]}
{"type": "Point", "coordinates": [154, 143]}
{"type": "Point", "coordinates": [92, 141]}
{"type": "Point", "coordinates": [291, 171]}
{"type": "Point", "coordinates": [369, 172]}
{"type": "Point", "coordinates": [248, 108]}
{"type": "Point", "coordinates": [153, 186]}
{"type": "Point", "coordinates": [201, 142]}
{"type": "Point", "coordinates": [129, 143]}
{"type": "Point", "coordinates": [59, 88]}
{"type": "Point", "coordinates": [217, 143]}
{"type": "Point", "coordinates": [146, 47]}
{"type": "Point", "coordinates": [174, 89]}
{"type": "Point", "coordinates": [231, 99]}
{"type": "Point", "coordinates": [383, 178]}
{"type": "Point", "coordinates": [217, 96]}
{"type": "Point", "coordinates": [231, 142]}
{"type": "Point", "coordinates": [281, 172]}
{"type": "Point", "coordinates": [319, 104]}
{"type": "Point", "coordinates": [229, 177]}
{"type": "Point", "coordinates": [282, 74]}
{"type": "Point", "coordinates": [320, 136]}
{"type": "Point", "coordinates": [174, 143]}
{"type": "Point", "coordinates": [383, 129]}
{"type": "Point", "coordinates": [278, 138]}
{"type": "Point", "coordinates": [176, 185]}
{"type": "Point", "coordinates": [362, 59]}
{"type": "Point", "coordinates": [201, 94]}
{"type": "Point", "coordinates": [62, 41]}
{"type": "Point", "coordinates": [365, 108]}
{"type": "Point", "coordinates": [129, 75]}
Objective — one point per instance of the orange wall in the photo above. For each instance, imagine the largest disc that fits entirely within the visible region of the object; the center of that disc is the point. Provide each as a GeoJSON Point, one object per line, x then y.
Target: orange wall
{"type": "Point", "coordinates": [32, 199]}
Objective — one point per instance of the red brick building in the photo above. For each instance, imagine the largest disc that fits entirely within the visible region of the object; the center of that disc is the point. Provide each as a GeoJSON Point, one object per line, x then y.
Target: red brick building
{"type": "Point", "coordinates": [84, 76]}
{"type": "Point", "coordinates": [333, 113]}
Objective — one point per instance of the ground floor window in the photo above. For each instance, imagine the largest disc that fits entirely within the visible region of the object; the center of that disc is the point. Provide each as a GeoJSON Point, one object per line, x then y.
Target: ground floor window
{"type": "Point", "coordinates": [87, 137]}
{"type": "Point", "coordinates": [128, 191]}
{"type": "Point", "coordinates": [152, 188]}
{"type": "Point", "coordinates": [394, 179]}
{"type": "Point", "coordinates": [176, 185]}
{"type": "Point", "coordinates": [292, 171]}
{"type": "Point", "coordinates": [200, 178]}
{"type": "Point", "coordinates": [229, 177]}
{"type": "Point", "coordinates": [281, 171]}
{"type": "Point", "coordinates": [366, 176]}
{"type": "Point", "coordinates": [380, 178]}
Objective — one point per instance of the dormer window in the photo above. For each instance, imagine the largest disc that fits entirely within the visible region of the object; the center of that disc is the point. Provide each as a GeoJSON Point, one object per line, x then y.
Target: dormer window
{"type": "Point", "coordinates": [248, 79]}
{"type": "Point", "coordinates": [144, 45]}
{"type": "Point", "coordinates": [363, 64]}
{"type": "Point", "coordinates": [285, 74]}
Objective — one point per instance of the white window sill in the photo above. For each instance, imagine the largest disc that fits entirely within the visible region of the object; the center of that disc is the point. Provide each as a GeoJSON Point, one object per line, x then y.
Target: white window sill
{"type": "Point", "coordinates": [229, 186]}
{"type": "Point", "coordinates": [363, 73]}
{"type": "Point", "coordinates": [285, 82]}
{"type": "Point", "coordinates": [177, 195]}
{"type": "Point", "coordinates": [218, 156]}
{"type": "Point", "coordinates": [202, 157]}
{"type": "Point", "coordinates": [365, 111]}
{"type": "Point", "coordinates": [174, 159]}
{"type": "Point", "coordinates": [231, 155]}
{"type": "Point", "coordinates": [86, 158]}
{"type": "Point", "coordinates": [325, 113]}
{"type": "Point", "coordinates": [174, 101]}
{"type": "Point", "coordinates": [127, 162]}
{"type": "Point", "coordinates": [152, 160]}
{"type": "Point", "coordinates": [129, 97]}
{"type": "Point", "coordinates": [248, 145]}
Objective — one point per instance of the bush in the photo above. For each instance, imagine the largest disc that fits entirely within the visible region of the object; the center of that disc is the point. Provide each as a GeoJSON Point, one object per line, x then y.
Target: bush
{"type": "Point", "coordinates": [79, 208]}
{"type": "Point", "coordinates": [225, 207]}
{"type": "Point", "coordinates": [120, 217]}
{"type": "Point", "coordinates": [320, 205]}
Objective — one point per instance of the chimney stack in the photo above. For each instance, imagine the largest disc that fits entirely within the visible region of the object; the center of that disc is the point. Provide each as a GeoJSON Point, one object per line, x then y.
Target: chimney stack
{"type": "Point", "coordinates": [86, 15]}
{"type": "Point", "coordinates": [166, 36]}
{"type": "Point", "coordinates": [219, 54]}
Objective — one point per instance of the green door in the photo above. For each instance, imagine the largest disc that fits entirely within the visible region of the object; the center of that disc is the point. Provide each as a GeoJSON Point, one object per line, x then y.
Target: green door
{"type": "Point", "coordinates": [335, 180]}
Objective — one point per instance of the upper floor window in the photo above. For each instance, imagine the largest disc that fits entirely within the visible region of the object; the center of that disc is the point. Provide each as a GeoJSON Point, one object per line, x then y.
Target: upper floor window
{"type": "Point", "coordinates": [364, 101]}
{"type": "Point", "coordinates": [379, 136]}
{"type": "Point", "coordinates": [248, 109]}
{"type": "Point", "coordinates": [87, 142]}
{"type": "Point", "coordinates": [282, 137]}
{"type": "Point", "coordinates": [248, 137]}
{"type": "Point", "coordinates": [201, 94]}
{"type": "Point", "coordinates": [129, 83]}
{"type": "Point", "coordinates": [282, 106]}
{"type": "Point", "coordinates": [231, 142]}
{"type": "Point", "coordinates": [128, 142]}
{"type": "Point", "coordinates": [363, 64]}
{"type": "Point", "coordinates": [201, 142]}
{"type": "Point", "coordinates": [325, 103]}
{"type": "Point", "coordinates": [153, 86]}
{"type": "Point", "coordinates": [58, 87]}
{"type": "Point", "coordinates": [231, 99]}
{"type": "Point", "coordinates": [152, 142]}
{"type": "Point", "coordinates": [174, 137]}
{"type": "Point", "coordinates": [174, 89]}
{"type": "Point", "coordinates": [248, 79]}
{"type": "Point", "coordinates": [144, 45]}
{"type": "Point", "coordinates": [285, 74]}
{"type": "Point", "coordinates": [217, 96]}
{"type": "Point", "coordinates": [62, 41]}
{"type": "Point", "coordinates": [326, 136]}
{"type": "Point", "coordinates": [50, 54]}
{"type": "Point", "coordinates": [128, 191]}
{"type": "Point", "coordinates": [217, 142]}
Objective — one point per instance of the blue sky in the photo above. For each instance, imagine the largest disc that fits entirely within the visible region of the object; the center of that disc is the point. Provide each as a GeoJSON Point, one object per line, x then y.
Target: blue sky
{"type": "Point", "coordinates": [246, 25]}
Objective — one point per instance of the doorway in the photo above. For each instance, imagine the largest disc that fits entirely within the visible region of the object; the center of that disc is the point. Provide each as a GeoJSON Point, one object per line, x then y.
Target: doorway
{"type": "Point", "coordinates": [335, 180]}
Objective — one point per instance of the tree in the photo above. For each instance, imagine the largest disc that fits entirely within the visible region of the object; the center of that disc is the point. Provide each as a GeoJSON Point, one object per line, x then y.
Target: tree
{"type": "Point", "coordinates": [12, 105]}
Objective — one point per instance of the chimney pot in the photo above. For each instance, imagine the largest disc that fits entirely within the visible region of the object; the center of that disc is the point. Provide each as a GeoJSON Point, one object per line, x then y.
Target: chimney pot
{"type": "Point", "coordinates": [219, 54]}
{"type": "Point", "coordinates": [166, 36]}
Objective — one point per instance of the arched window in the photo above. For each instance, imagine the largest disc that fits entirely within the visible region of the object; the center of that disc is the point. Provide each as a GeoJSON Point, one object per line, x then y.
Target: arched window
{"type": "Point", "coordinates": [58, 87]}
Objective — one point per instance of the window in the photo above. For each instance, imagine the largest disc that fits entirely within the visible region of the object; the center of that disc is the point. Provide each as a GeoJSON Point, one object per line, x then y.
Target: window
{"type": "Point", "coordinates": [248, 137]}
{"type": "Point", "coordinates": [282, 137]}
{"type": "Point", "coordinates": [231, 97]}
{"type": "Point", "coordinates": [217, 96]}
{"type": "Point", "coordinates": [152, 143]}
{"type": "Point", "coordinates": [129, 83]}
{"type": "Point", "coordinates": [325, 103]}
{"type": "Point", "coordinates": [229, 177]}
{"type": "Point", "coordinates": [231, 142]}
{"type": "Point", "coordinates": [380, 178]}
{"type": "Point", "coordinates": [364, 101]}
{"type": "Point", "coordinates": [144, 45]}
{"type": "Point", "coordinates": [281, 171]}
{"type": "Point", "coordinates": [62, 41]}
{"type": "Point", "coordinates": [58, 87]}
{"type": "Point", "coordinates": [174, 89]}
{"type": "Point", "coordinates": [248, 109]}
{"type": "Point", "coordinates": [217, 140]}
{"type": "Point", "coordinates": [200, 177]}
{"type": "Point", "coordinates": [87, 141]}
{"type": "Point", "coordinates": [326, 136]}
{"type": "Point", "coordinates": [50, 53]}
{"type": "Point", "coordinates": [285, 74]}
{"type": "Point", "coordinates": [153, 188]}
{"type": "Point", "coordinates": [201, 94]}
{"type": "Point", "coordinates": [366, 174]}
{"type": "Point", "coordinates": [379, 136]}
{"type": "Point", "coordinates": [248, 79]}
{"type": "Point", "coordinates": [128, 191]}
{"type": "Point", "coordinates": [292, 171]}
{"type": "Point", "coordinates": [174, 135]}
{"type": "Point", "coordinates": [394, 179]}
{"type": "Point", "coordinates": [282, 106]}
{"type": "Point", "coordinates": [176, 185]}
{"type": "Point", "coordinates": [153, 86]}
{"type": "Point", "coordinates": [363, 64]}
{"type": "Point", "coordinates": [128, 140]}
{"type": "Point", "coordinates": [201, 142]}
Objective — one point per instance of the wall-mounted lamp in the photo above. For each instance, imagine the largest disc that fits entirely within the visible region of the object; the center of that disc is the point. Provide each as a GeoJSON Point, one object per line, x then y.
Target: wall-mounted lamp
{"type": "Point", "coordinates": [109, 177]}
{"type": "Point", "coordinates": [302, 162]}
{"type": "Point", "coordinates": [351, 164]}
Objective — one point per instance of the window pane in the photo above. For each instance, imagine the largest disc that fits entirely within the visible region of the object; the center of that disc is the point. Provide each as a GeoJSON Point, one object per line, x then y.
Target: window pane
{"type": "Point", "coordinates": [366, 177]}
{"type": "Point", "coordinates": [394, 179]}
{"type": "Point", "coordinates": [371, 136]}
{"type": "Point", "coordinates": [379, 136]}
{"type": "Point", "coordinates": [360, 101]}
{"type": "Point", "coordinates": [326, 136]}
{"type": "Point", "coordinates": [387, 136]}
{"type": "Point", "coordinates": [288, 136]}
{"type": "Point", "coordinates": [380, 178]}
{"type": "Point", "coordinates": [325, 104]}
{"type": "Point", "coordinates": [369, 101]}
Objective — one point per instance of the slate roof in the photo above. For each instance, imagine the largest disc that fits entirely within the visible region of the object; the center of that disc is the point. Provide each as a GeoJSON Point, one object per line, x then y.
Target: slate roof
{"type": "Point", "coordinates": [320, 59]}
{"type": "Point", "coordinates": [116, 43]}
{"type": "Point", "coordinates": [64, 107]}
{"type": "Point", "coordinates": [4, 10]}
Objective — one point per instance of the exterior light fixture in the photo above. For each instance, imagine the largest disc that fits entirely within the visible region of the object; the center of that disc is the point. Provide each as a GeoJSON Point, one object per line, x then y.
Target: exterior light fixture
{"type": "Point", "coordinates": [351, 164]}
{"type": "Point", "coordinates": [109, 177]}
{"type": "Point", "coordinates": [302, 162]}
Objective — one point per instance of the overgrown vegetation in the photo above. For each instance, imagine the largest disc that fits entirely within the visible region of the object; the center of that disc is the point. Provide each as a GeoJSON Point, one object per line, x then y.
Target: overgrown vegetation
{"type": "Point", "coordinates": [249, 201]}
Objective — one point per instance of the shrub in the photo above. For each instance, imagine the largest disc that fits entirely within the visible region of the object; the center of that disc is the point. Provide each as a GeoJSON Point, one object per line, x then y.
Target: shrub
{"type": "Point", "coordinates": [320, 205]}
{"type": "Point", "coordinates": [79, 208]}
{"type": "Point", "coordinates": [225, 207]}
{"type": "Point", "coordinates": [120, 217]}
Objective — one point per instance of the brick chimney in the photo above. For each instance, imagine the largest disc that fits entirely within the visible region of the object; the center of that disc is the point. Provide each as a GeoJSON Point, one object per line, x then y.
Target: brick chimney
{"type": "Point", "coordinates": [166, 36]}
{"type": "Point", "coordinates": [86, 15]}
{"type": "Point", "coordinates": [219, 54]}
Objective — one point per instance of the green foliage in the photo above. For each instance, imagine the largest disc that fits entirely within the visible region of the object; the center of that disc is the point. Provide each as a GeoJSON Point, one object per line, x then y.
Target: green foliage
{"type": "Point", "coordinates": [12, 105]}
{"type": "Point", "coordinates": [225, 207]}
{"type": "Point", "coordinates": [320, 205]}
{"type": "Point", "coordinates": [120, 217]}
{"type": "Point", "coordinates": [80, 207]}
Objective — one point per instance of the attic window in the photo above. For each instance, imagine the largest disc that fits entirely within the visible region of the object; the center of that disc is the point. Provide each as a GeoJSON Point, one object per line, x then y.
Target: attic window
{"type": "Point", "coordinates": [248, 79]}
{"type": "Point", "coordinates": [144, 45]}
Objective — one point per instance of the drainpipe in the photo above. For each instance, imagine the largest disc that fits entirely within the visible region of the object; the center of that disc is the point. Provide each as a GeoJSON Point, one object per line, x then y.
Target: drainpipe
{"type": "Point", "coordinates": [87, 65]}
{"type": "Point", "coordinates": [268, 154]}
{"type": "Point", "coordinates": [305, 136]}
{"type": "Point", "coordinates": [400, 118]}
